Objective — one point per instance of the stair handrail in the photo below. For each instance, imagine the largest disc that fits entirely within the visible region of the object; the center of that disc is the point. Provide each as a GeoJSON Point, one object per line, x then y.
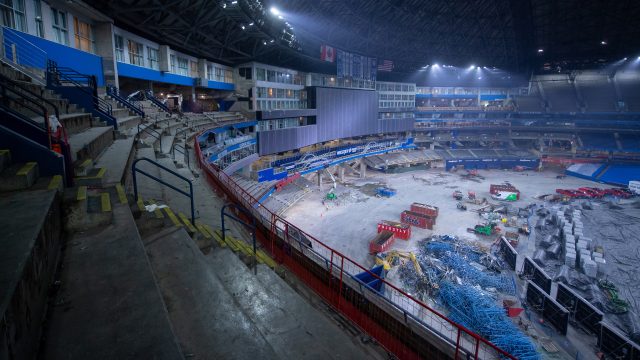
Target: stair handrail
{"type": "Point", "coordinates": [38, 101]}
{"type": "Point", "coordinates": [114, 92]}
{"type": "Point", "coordinates": [150, 131]}
{"type": "Point", "coordinates": [134, 170]}
{"type": "Point", "coordinates": [60, 75]}
{"type": "Point", "coordinates": [185, 154]}
{"type": "Point", "coordinates": [149, 95]}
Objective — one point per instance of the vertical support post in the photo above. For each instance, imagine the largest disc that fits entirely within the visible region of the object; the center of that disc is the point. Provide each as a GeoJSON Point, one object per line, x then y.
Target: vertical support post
{"type": "Point", "coordinates": [14, 55]}
{"type": "Point", "coordinates": [457, 345]}
{"type": "Point", "coordinates": [193, 212]}
{"type": "Point", "coordinates": [135, 184]}
{"type": "Point", "coordinates": [224, 229]}
{"type": "Point", "coordinates": [331, 269]}
{"type": "Point", "coordinates": [341, 272]}
{"type": "Point", "coordinates": [477, 349]}
{"type": "Point", "coordinates": [255, 253]}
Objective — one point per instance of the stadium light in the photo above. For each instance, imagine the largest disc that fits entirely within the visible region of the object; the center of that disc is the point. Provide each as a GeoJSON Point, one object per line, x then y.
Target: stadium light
{"type": "Point", "coordinates": [603, 42]}
{"type": "Point", "coordinates": [436, 65]}
{"type": "Point", "coordinates": [472, 67]}
{"type": "Point", "coordinates": [540, 51]}
{"type": "Point", "coordinates": [274, 11]}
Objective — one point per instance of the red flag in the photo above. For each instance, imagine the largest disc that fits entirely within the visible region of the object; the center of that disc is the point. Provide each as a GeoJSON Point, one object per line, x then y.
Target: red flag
{"type": "Point", "coordinates": [327, 53]}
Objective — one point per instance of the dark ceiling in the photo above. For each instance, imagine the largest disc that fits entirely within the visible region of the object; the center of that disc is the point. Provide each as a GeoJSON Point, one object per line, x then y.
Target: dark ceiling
{"type": "Point", "coordinates": [502, 33]}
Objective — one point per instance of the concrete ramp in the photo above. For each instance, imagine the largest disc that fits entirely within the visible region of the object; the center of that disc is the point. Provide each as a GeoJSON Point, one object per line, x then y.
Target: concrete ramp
{"type": "Point", "coordinates": [220, 310]}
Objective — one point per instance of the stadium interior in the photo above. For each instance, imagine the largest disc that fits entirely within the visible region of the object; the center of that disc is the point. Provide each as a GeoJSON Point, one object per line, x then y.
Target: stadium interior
{"type": "Point", "coordinates": [269, 179]}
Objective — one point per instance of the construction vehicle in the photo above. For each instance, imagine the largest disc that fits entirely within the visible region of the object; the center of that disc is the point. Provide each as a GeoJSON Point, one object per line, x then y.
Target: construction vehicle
{"type": "Point", "coordinates": [461, 206]}
{"type": "Point", "coordinates": [389, 259]}
{"type": "Point", "coordinates": [618, 306]}
{"type": "Point", "coordinates": [505, 196]}
{"type": "Point", "coordinates": [457, 195]}
{"type": "Point", "coordinates": [487, 229]}
{"type": "Point", "coordinates": [471, 195]}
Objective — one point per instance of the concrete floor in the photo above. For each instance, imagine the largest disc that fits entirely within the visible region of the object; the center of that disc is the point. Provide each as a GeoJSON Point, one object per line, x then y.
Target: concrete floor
{"type": "Point", "coordinates": [350, 224]}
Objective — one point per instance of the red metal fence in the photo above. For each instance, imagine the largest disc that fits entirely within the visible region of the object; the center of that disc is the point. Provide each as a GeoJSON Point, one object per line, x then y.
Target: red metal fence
{"type": "Point", "coordinates": [400, 323]}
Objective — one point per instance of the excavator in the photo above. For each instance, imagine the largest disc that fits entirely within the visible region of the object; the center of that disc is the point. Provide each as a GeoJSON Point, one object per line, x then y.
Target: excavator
{"type": "Point", "coordinates": [389, 258]}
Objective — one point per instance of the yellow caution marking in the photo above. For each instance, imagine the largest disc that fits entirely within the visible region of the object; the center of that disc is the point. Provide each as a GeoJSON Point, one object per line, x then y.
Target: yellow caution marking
{"type": "Point", "coordinates": [105, 200]}
{"type": "Point", "coordinates": [140, 203]}
{"type": "Point", "coordinates": [26, 168]}
{"type": "Point", "coordinates": [203, 230]}
{"type": "Point", "coordinates": [55, 182]}
{"type": "Point", "coordinates": [173, 217]}
{"type": "Point", "coordinates": [100, 173]}
{"type": "Point", "coordinates": [187, 222]}
{"type": "Point", "coordinates": [82, 193]}
{"type": "Point", "coordinates": [121, 195]}
{"type": "Point", "coordinates": [218, 239]}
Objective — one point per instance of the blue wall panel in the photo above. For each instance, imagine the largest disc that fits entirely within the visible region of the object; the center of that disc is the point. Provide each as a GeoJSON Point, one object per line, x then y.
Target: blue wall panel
{"type": "Point", "coordinates": [218, 85]}
{"type": "Point", "coordinates": [492, 97]}
{"type": "Point", "coordinates": [139, 72]}
{"type": "Point", "coordinates": [80, 61]}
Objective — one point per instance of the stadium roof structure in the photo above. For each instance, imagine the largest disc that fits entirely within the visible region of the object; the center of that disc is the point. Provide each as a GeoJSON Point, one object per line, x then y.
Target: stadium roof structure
{"type": "Point", "coordinates": [518, 35]}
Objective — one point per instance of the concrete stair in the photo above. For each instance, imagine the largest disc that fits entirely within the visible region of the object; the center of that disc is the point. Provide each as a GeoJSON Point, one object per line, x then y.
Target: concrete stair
{"type": "Point", "coordinates": [87, 209]}
{"type": "Point", "coordinates": [108, 305]}
{"type": "Point", "coordinates": [30, 218]}
{"type": "Point", "coordinates": [18, 176]}
{"type": "Point", "coordinates": [32, 235]}
{"type": "Point", "coordinates": [90, 143]}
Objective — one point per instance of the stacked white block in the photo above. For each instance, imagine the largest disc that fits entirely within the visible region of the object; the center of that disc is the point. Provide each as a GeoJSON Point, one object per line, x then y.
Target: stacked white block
{"type": "Point", "coordinates": [590, 267]}
{"type": "Point", "coordinates": [570, 258]}
{"type": "Point", "coordinates": [602, 265]}
{"type": "Point", "coordinates": [582, 244]}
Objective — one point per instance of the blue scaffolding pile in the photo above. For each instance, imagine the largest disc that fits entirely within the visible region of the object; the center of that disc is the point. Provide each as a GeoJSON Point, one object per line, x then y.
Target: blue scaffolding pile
{"type": "Point", "coordinates": [459, 258]}
{"type": "Point", "coordinates": [478, 312]}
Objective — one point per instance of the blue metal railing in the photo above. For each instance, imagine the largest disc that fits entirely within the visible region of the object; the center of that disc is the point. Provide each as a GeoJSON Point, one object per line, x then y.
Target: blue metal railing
{"type": "Point", "coordinates": [61, 78]}
{"type": "Point", "coordinates": [18, 50]}
{"type": "Point", "coordinates": [12, 95]}
{"type": "Point", "coordinates": [131, 104]}
{"type": "Point", "coordinates": [135, 170]}
{"type": "Point", "coordinates": [156, 102]}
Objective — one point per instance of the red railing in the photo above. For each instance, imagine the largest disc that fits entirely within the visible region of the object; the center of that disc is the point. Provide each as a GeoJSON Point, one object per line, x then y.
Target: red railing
{"type": "Point", "coordinates": [403, 325]}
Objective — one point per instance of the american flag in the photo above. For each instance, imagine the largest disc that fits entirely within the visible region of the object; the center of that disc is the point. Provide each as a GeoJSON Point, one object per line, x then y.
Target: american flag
{"type": "Point", "coordinates": [385, 65]}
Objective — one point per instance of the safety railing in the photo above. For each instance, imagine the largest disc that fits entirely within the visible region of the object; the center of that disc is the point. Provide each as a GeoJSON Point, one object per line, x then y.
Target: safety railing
{"type": "Point", "coordinates": [130, 104]}
{"type": "Point", "coordinates": [149, 131]}
{"type": "Point", "coordinates": [59, 77]}
{"type": "Point", "coordinates": [19, 51]}
{"type": "Point", "coordinates": [182, 150]}
{"type": "Point", "coordinates": [14, 96]}
{"type": "Point", "coordinates": [135, 170]}
{"type": "Point", "coordinates": [156, 102]}
{"type": "Point", "coordinates": [402, 324]}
